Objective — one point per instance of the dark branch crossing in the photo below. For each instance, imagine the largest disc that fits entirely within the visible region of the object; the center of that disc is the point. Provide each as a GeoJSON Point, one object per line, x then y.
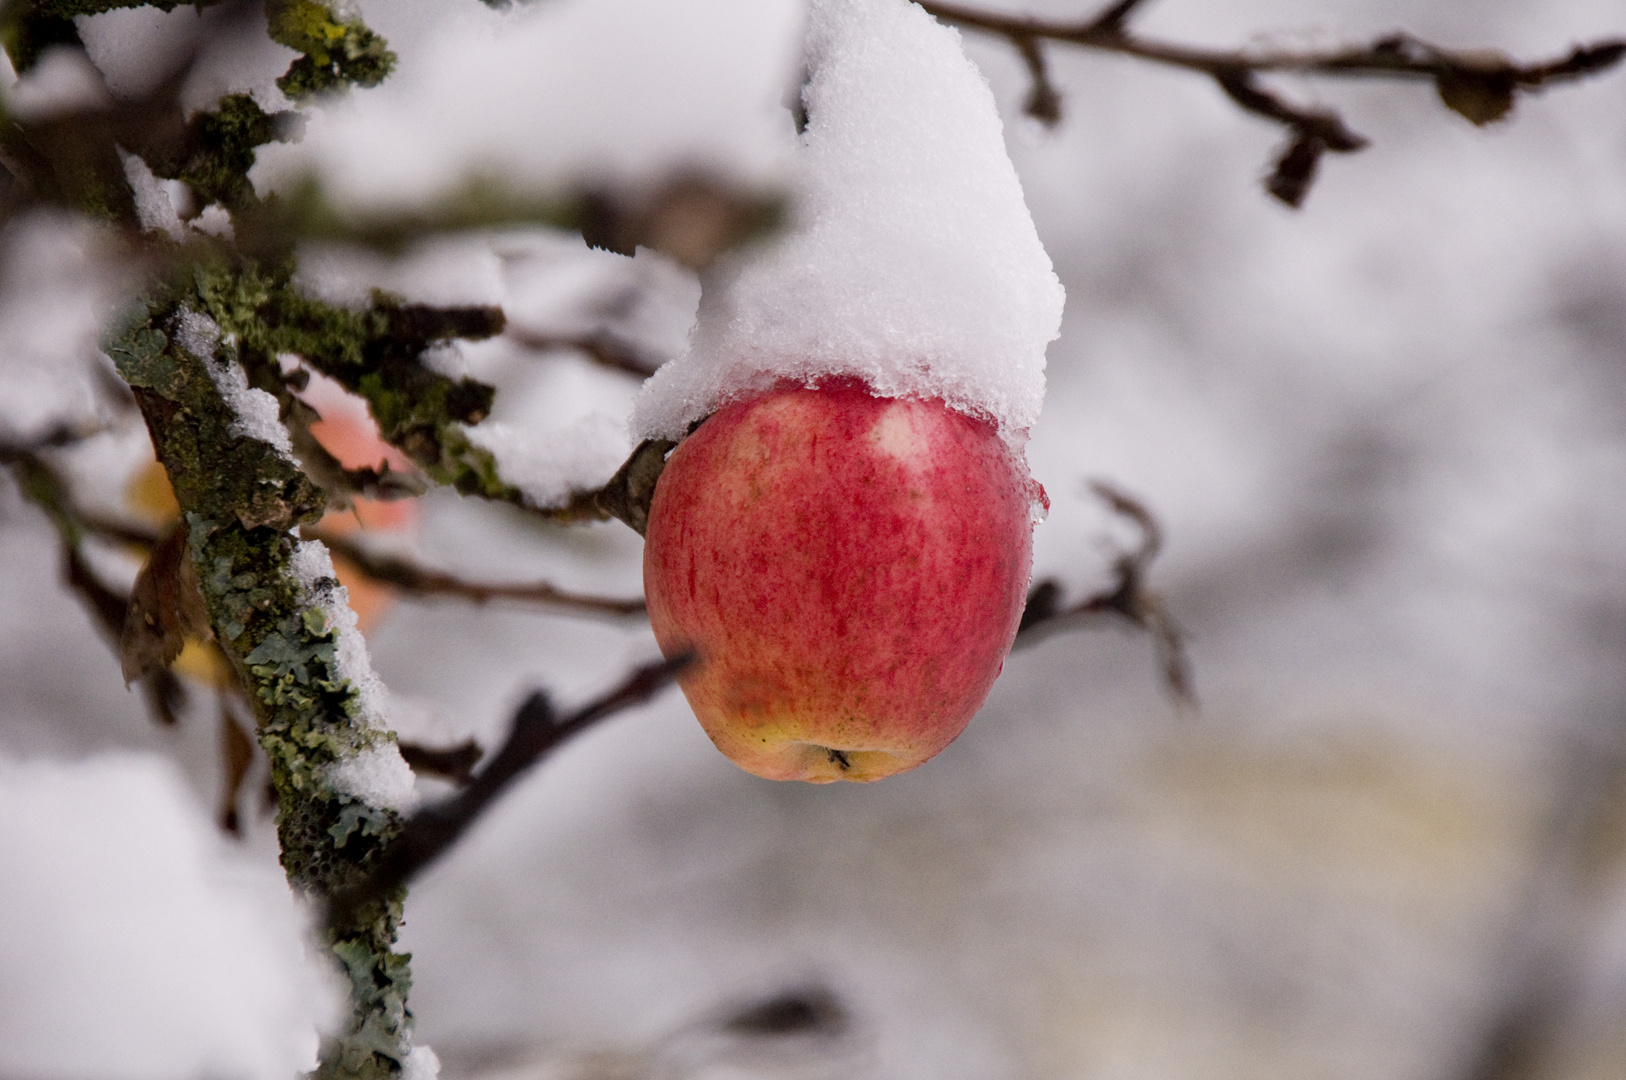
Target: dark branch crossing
{"type": "Point", "coordinates": [535, 732]}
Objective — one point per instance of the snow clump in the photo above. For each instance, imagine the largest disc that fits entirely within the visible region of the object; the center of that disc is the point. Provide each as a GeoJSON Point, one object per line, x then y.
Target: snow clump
{"type": "Point", "coordinates": [255, 413]}
{"type": "Point", "coordinates": [548, 465]}
{"type": "Point", "coordinates": [133, 944]}
{"type": "Point", "coordinates": [911, 261]}
{"type": "Point", "coordinates": [378, 776]}
{"type": "Point", "coordinates": [154, 209]}
{"type": "Point", "coordinates": [565, 93]}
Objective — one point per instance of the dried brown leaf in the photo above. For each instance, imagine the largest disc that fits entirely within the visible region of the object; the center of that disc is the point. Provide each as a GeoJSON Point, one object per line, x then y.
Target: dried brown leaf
{"type": "Point", "coordinates": [1480, 97]}
{"type": "Point", "coordinates": [166, 608]}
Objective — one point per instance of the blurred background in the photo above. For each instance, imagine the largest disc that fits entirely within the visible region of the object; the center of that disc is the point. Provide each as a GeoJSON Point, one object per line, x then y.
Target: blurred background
{"type": "Point", "coordinates": [1385, 436]}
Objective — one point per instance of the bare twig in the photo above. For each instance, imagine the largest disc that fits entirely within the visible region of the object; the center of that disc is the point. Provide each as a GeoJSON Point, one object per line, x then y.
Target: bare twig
{"type": "Point", "coordinates": [454, 763]}
{"type": "Point", "coordinates": [599, 347]}
{"type": "Point", "coordinates": [1128, 598]}
{"type": "Point", "coordinates": [130, 533]}
{"type": "Point", "coordinates": [1479, 85]}
{"type": "Point", "coordinates": [1044, 100]}
{"type": "Point", "coordinates": [535, 733]}
{"type": "Point", "coordinates": [410, 577]}
{"type": "Point", "coordinates": [236, 756]}
{"type": "Point", "coordinates": [1114, 17]}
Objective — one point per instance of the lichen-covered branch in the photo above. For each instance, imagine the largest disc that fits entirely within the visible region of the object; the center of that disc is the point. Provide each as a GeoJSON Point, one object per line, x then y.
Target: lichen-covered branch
{"type": "Point", "coordinates": [274, 607]}
{"type": "Point", "coordinates": [205, 353]}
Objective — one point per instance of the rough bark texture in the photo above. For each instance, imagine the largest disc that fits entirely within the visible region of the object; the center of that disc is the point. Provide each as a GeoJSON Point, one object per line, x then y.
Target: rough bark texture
{"type": "Point", "coordinates": [240, 497]}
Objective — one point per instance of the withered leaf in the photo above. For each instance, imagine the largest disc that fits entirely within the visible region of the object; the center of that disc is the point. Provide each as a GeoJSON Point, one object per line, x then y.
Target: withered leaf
{"type": "Point", "coordinates": [165, 697]}
{"type": "Point", "coordinates": [1481, 97]}
{"type": "Point", "coordinates": [1296, 168]}
{"type": "Point", "coordinates": [166, 608]}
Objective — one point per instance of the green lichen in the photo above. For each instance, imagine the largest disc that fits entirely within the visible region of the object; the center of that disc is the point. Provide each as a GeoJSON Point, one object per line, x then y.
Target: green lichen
{"type": "Point", "coordinates": [240, 497]}
{"type": "Point", "coordinates": [376, 352]}
{"type": "Point", "coordinates": [310, 722]}
{"type": "Point", "coordinates": [335, 52]}
{"type": "Point", "coordinates": [378, 995]}
{"type": "Point", "coordinates": [219, 148]}
{"type": "Point", "coordinates": [190, 426]}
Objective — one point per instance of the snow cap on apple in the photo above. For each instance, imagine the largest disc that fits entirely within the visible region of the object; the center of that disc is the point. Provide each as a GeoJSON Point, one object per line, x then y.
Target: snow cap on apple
{"type": "Point", "coordinates": [846, 538]}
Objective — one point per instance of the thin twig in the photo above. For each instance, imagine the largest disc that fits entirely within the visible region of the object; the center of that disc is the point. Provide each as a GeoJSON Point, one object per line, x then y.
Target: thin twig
{"type": "Point", "coordinates": [119, 531]}
{"type": "Point", "coordinates": [1044, 100]}
{"type": "Point", "coordinates": [1393, 56]}
{"type": "Point", "coordinates": [599, 347]}
{"type": "Point", "coordinates": [1127, 598]}
{"type": "Point", "coordinates": [453, 763]}
{"type": "Point", "coordinates": [534, 734]}
{"type": "Point", "coordinates": [412, 578]}
{"type": "Point", "coordinates": [48, 489]}
{"type": "Point", "coordinates": [1479, 85]}
{"type": "Point", "coordinates": [236, 757]}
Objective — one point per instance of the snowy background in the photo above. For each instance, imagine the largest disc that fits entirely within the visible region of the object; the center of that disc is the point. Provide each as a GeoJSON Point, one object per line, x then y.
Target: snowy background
{"type": "Point", "coordinates": [1386, 436]}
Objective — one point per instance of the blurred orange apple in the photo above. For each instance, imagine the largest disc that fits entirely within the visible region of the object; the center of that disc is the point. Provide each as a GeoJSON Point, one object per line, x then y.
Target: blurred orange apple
{"type": "Point", "coordinates": [851, 570]}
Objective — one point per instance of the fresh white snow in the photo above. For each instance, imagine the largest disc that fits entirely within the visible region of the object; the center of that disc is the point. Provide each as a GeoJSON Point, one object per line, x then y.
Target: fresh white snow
{"type": "Point", "coordinates": [911, 261]}
{"type": "Point", "coordinates": [378, 776]}
{"type": "Point", "coordinates": [133, 944]}
{"type": "Point", "coordinates": [554, 95]}
{"type": "Point", "coordinates": [547, 465]}
{"type": "Point", "coordinates": [255, 412]}
{"type": "Point", "coordinates": [154, 208]}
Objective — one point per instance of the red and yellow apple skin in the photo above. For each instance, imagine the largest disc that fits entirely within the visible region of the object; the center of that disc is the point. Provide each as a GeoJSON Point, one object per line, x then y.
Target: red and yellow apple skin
{"type": "Point", "coordinates": [850, 569]}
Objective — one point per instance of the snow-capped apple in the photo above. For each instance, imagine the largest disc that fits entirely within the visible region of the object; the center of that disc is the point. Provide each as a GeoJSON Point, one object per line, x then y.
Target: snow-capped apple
{"type": "Point", "coordinates": [850, 570]}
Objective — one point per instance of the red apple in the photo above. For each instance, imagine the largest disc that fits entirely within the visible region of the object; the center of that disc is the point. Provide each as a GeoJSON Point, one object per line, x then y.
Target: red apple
{"type": "Point", "coordinates": [851, 570]}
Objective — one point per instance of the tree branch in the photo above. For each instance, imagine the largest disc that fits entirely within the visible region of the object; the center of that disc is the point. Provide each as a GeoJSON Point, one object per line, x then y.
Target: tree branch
{"type": "Point", "coordinates": [599, 347]}
{"type": "Point", "coordinates": [1127, 598]}
{"type": "Point", "coordinates": [43, 485]}
{"type": "Point", "coordinates": [410, 577]}
{"type": "Point", "coordinates": [535, 732]}
{"type": "Point", "coordinates": [1479, 85]}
